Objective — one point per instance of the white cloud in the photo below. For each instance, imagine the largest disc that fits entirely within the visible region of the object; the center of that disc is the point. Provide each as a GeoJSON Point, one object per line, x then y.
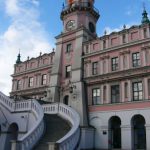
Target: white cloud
{"type": "Point", "coordinates": [25, 32]}
{"type": "Point", "coordinates": [110, 30]}
{"type": "Point", "coordinates": [129, 12]}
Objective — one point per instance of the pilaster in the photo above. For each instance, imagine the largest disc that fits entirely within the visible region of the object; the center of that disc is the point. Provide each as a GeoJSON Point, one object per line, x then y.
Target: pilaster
{"type": "Point", "coordinates": [143, 57]}
{"type": "Point", "coordinates": [126, 137]}
{"type": "Point", "coordinates": [108, 93]}
{"type": "Point", "coordinates": [121, 66]}
{"type": "Point", "coordinates": [101, 66]}
{"type": "Point", "coordinates": [145, 88]}
{"type": "Point", "coordinates": [147, 127]}
{"type": "Point", "coordinates": [122, 91]}
{"type": "Point", "coordinates": [129, 90]}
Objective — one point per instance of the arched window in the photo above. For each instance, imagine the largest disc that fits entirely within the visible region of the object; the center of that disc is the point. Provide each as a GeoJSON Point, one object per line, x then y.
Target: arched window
{"type": "Point", "coordinates": [115, 133]}
{"type": "Point", "coordinates": [138, 132]}
{"type": "Point", "coordinates": [12, 135]}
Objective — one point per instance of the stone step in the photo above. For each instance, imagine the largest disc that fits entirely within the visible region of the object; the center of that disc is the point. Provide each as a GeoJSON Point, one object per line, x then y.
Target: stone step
{"type": "Point", "coordinates": [56, 128]}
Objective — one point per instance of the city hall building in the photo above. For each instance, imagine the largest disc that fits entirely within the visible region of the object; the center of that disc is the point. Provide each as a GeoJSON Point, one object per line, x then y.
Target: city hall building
{"type": "Point", "coordinates": [106, 79]}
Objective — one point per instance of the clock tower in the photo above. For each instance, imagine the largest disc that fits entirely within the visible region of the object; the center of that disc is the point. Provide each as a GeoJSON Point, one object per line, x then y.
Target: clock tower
{"type": "Point", "coordinates": [79, 19]}
{"type": "Point", "coordinates": [77, 13]}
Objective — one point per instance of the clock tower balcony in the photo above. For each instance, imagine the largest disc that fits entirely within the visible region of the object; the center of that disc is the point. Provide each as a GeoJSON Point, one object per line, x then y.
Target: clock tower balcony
{"type": "Point", "coordinates": [82, 6]}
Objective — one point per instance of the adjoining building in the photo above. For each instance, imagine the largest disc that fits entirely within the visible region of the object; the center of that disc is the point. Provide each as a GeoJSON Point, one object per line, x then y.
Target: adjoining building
{"type": "Point", "coordinates": [31, 78]}
{"type": "Point", "coordinates": [105, 79]}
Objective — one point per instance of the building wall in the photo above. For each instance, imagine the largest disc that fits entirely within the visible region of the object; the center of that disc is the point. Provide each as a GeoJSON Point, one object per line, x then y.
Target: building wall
{"type": "Point", "coordinates": [34, 68]}
{"type": "Point", "coordinates": [125, 76]}
{"type": "Point", "coordinates": [87, 49]}
{"type": "Point", "coordinates": [100, 117]}
{"type": "Point", "coordinates": [126, 72]}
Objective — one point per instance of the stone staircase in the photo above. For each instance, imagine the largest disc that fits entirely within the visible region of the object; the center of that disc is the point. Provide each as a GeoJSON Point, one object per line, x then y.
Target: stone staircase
{"type": "Point", "coordinates": [55, 129]}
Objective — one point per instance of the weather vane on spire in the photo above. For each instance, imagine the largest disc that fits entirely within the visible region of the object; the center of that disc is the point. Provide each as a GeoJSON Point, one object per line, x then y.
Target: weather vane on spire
{"type": "Point", "coordinates": [144, 5]}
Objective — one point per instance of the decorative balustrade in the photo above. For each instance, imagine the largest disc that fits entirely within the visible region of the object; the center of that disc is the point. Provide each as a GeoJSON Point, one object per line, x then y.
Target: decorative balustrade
{"type": "Point", "coordinates": [81, 5]}
{"type": "Point", "coordinates": [27, 142]}
{"type": "Point", "coordinates": [30, 139]}
{"type": "Point", "coordinates": [6, 102]}
{"type": "Point", "coordinates": [71, 139]}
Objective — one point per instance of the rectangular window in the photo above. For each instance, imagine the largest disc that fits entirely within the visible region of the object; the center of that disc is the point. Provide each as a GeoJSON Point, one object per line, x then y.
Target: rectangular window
{"type": "Point", "coordinates": [31, 82]}
{"type": "Point", "coordinates": [44, 79]}
{"type": "Point", "coordinates": [94, 68]}
{"type": "Point", "coordinates": [137, 91]}
{"type": "Point", "coordinates": [124, 61]}
{"type": "Point", "coordinates": [115, 65]}
{"type": "Point", "coordinates": [96, 96]}
{"type": "Point", "coordinates": [69, 48]}
{"type": "Point", "coordinates": [104, 44]}
{"type": "Point", "coordinates": [104, 93]}
{"type": "Point", "coordinates": [136, 59]}
{"type": "Point", "coordinates": [145, 32]}
{"type": "Point", "coordinates": [68, 71]}
{"type": "Point", "coordinates": [87, 49]}
{"type": "Point", "coordinates": [18, 84]}
{"type": "Point", "coordinates": [95, 46]}
{"type": "Point", "coordinates": [114, 41]}
{"type": "Point", "coordinates": [134, 35]}
{"type": "Point", "coordinates": [126, 90]}
{"type": "Point", "coordinates": [123, 38]}
{"type": "Point", "coordinates": [115, 94]}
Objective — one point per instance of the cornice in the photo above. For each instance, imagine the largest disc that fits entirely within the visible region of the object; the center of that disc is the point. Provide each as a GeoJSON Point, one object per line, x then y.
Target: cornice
{"type": "Point", "coordinates": [32, 70]}
{"type": "Point", "coordinates": [119, 47]}
{"type": "Point", "coordinates": [119, 75]}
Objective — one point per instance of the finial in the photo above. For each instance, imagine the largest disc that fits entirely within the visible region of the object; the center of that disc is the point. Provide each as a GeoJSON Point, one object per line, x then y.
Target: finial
{"type": "Point", "coordinates": [28, 58]}
{"type": "Point", "coordinates": [124, 26]}
{"type": "Point", "coordinates": [40, 53]}
{"type": "Point", "coordinates": [18, 58]}
{"type": "Point", "coordinates": [53, 50]}
{"type": "Point", "coordinates": [144, 6]}
{"type": "Point", "coordinates": [105, 32]}
{"type": "Point", "coordinates": [63, 5]}
{"type": "Point", "coordinates": [145, 18]}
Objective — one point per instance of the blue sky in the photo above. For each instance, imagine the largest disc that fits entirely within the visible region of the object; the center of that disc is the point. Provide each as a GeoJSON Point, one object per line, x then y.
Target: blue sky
{"type": "Point", "coordinates": [31, 25]}
{"type": "Point", "coordinates": [114, 14]}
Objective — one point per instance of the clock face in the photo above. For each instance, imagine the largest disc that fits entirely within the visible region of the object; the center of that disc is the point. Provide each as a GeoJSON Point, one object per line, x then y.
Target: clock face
{"type": "Point", "coordinates": [91, 27]}
{"type": "Point", "coordinates": [70, 25]}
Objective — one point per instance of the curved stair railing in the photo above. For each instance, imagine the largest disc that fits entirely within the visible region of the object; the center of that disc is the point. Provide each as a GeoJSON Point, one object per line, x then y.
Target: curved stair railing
{"type": "Point", "coordinates": [29, 140]}
{"type": "Point", "coordinates": [34, 134]}
{"type": "Point", "coordinates": [71, 139]}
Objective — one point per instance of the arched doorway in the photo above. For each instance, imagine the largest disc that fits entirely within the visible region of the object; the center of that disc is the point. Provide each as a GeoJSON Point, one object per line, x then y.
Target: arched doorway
{"type": "Point", "coordinates": [138, 132]}
{"type": "Point", "coordinates": [66, 100]}
{"type": "Point", "coordinates": [11, 135]}
{"type": "Point", "coordinates": [115, 133]}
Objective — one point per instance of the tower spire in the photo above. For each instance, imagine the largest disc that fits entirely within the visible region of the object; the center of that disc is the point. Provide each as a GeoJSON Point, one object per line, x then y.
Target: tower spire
{"type": "Point", "coordinates": [145, 18]}
{"type": "Point", "coordinates": [18, 58]}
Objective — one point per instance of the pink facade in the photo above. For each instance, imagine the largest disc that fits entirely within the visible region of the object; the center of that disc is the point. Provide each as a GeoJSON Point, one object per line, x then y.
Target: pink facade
{"type": "Point", "coordinates": [32, 77]}
{"type": "Point", "coordinates": [109, 74]}
{"type": "Point", "coordinates": [125, 74]}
